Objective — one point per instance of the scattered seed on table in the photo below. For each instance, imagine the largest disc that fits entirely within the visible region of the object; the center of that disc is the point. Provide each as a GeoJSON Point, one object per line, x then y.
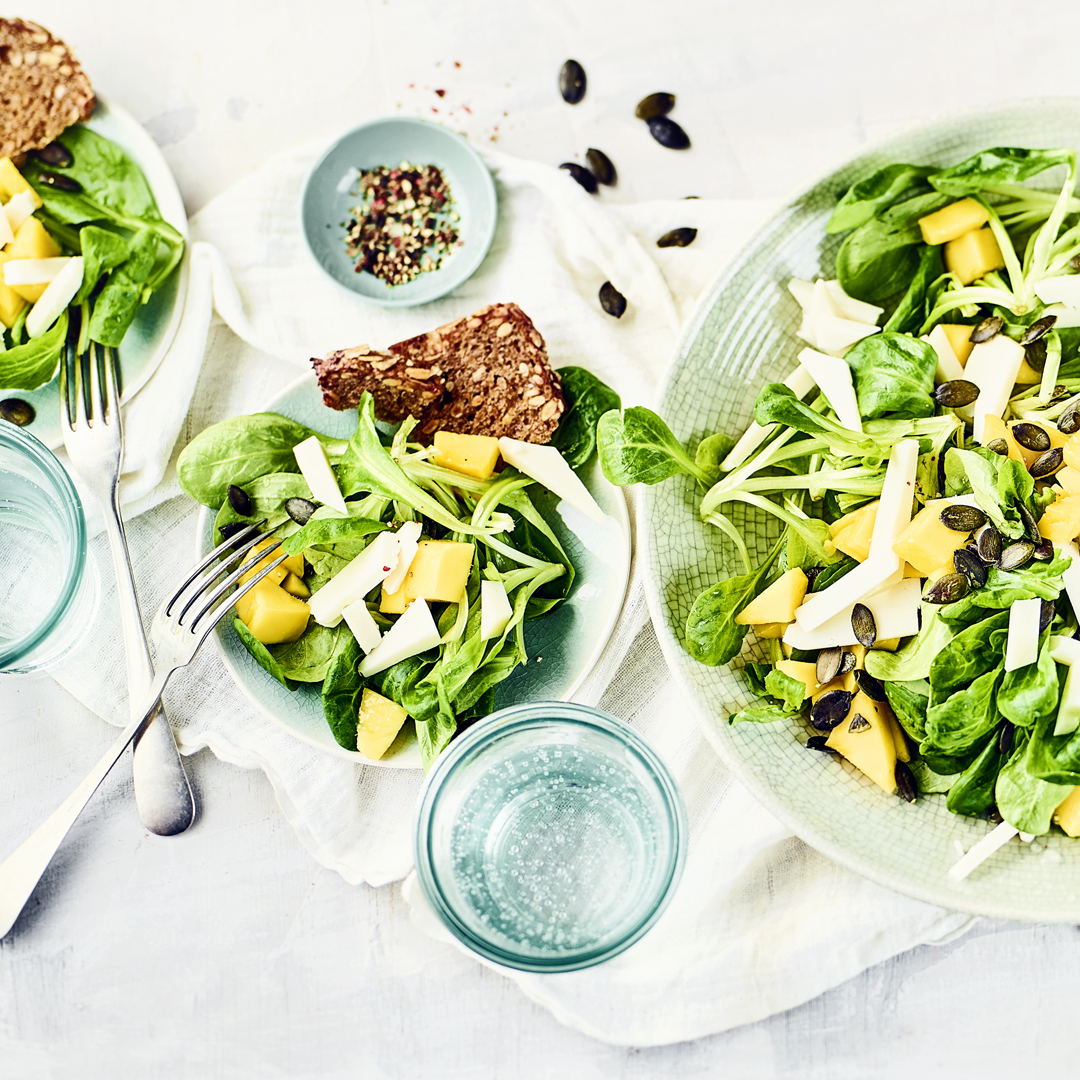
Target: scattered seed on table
{"type": "Point", "coordinates": [677, 238]}
{"type": "Point", "coordinates": [601, 166]}
{"type": "Point", "coordinates": [572, 82]}
{"type": "Point", "coordinates": [16, 411]}
{"type": "Point", "coordinates": [658, 104]}
{"type": "Point", "coordinates": [667, 133]}
{"type": "Point", "coordinates": [581, 175]}
{"type": "Point", "coordinates": [612, 301]}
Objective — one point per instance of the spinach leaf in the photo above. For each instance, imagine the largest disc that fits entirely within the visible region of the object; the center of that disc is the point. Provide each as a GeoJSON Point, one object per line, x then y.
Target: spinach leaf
{"type": "Point", "coordinates": [788, 691]}
{"type": "Point", "coordinates": [637, 447]}
{"type": "Point", "coordinates": [241, 448]}
{"type": "Point", "coordinates": [965, 717]}
{"type": "Point", "coordinates": [756, 675]}
{"type": "Point", "coordinates": [712, 450]}
{"type": "Point", "coordinates": [434, 736]}
{"type": "Point", "coordinates": [262, 655]}
{"type": "Point", "coordinates": [1030, 692]}
{"type": "Point", "coordinates": [26, 367]}
{"type": "Point", "coordinates": [914, 660]}
{"type": "Point", "coordinates": [999, 165]}
{"type": "Point", "coordinates": [341, 693]}
{"type": "Point", "coordinates": [909, 700]}
{"type": "Point", "coordinates": [913, 308]}
{"type": "Point", "coordinates": [996, 482]}
{"type": "Point", "coordinates": [970, 653]}
{"type": "Point", "coordinates": [760, 714]}
{"type": "Point", "coordinates": [832, 572]}
{"type": "Point", "coordinates": [1024, 800]}
{"type": "Point", "coordinates": [894, 374]}
{"type": "Point", "coordinates": [102, 250]}
{"type": "Point", "coordinates": [973, 791]}
{"type": "Point", "coordinates": [930, 782]}
{"type": "Point", "coordinates": [267, 494]}
{"type": "Point", "coordinates": [308, 659]}
{"type": "Point", "coordinates": [331, 530]}
{"type": "Point", "coordinates": [878, 191]}
{"type": "Point", "coordinates": [123, 292]}
{"type": "Point", "coordinates": [1054, 757]}
{"type": "Point", "coordinates": [403, 683]}
{"type": "Point", "coordinates": [587, 399]}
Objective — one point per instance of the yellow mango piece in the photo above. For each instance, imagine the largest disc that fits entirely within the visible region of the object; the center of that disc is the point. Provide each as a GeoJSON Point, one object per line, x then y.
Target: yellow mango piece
{"type": "Point", "coordinates": [1069, 479]}
{"type": "Point", "coordinates": [11, 303]}
{"type": "Point", "coordinates": [12, 182]}
{"type": "Point", "coordinates": [778, 602]}
{"type": "Point", "coordinates": [851, 533]}
{"type": "Point", "coordinates": [959, 335]}
{"type": "Point", "coordinates": [1060, 521]}
{"type": "Point", "coordinates": [295, 586]}
{"type": "Point", "coordinates": [294, 564]}
{"type": "Point", "coordinates": [380, 720]}
{"type": "Point", "coordinates": [859, 652]}
{"type": "Point", "coordinates": [871, 750]}
{"type": "Point", "coordinates": [996, 428]}
{"type": "Point", "coordinates": [953, 221]}
{"type": "Point", "coordinates": [440, 571]}
{"type": "Point", "coordinates": [803, 671]}
{"type": "Point", "coordinates": [393, 603]}
{"type": "Point", "coordinates": [910, 571]}
{"type": "Point", "coordinates": [899, 738]}
{"type": "Point", "coordinates": [272, 615]}
{"type": "Point", "coordinates": [887, 644]}
{"type": "Point", "coordinates": [927, 544]}
{"type": "Point", "coordinates": [841, 682]}
{"type": "Point", "coordinates": [1067, 815]}
{"type": "Point", "coordinates": [973, 255]}
{"type": "Point", "coordinates": [770, 630]}
{"type": "Point", "coordinates": [474, 455]}
{"type": "Point", "coordinates": [32, 242]}
{"type": "Point", "coordinates": [1071, 449]}
{"type": "Point", "coordinates": [1029, 457]}
{"type": "Point", "coordinates": [1027, 375]}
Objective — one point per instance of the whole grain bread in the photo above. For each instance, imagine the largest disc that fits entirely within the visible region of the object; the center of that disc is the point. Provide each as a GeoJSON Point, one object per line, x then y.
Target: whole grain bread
{"type": "Point", "coordinates": [483, 374]}
{"type": "Point", "coordinates": [43, 90]}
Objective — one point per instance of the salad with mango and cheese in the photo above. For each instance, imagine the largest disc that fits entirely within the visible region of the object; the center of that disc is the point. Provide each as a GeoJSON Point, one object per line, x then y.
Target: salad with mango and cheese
{"type": "Point", "coordinates": [920, 468]}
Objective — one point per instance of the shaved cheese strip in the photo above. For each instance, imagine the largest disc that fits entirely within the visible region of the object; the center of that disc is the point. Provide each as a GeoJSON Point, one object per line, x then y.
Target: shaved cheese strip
{"type": "Point", "coordinates": [1022, 645]}
{"type": "Point", "coordinates": [835, 335]}
{"type": "Point", "coordinates": [56, 297]}
{"type": "Point", "coordinates": [895, 610]}
{"type": "Point", "coordinates": [821, 303]}
{"type": "Point", "coordinates": [800, 382]}
{"type": "Point", "coordinates": [833, 377]}
{"type": "Point", "coordinates": [409, 539]}
{"type": "Point", "coordinates": [353, 582]}
{"type": "Point", "coordinates": [7, 233]}
{"type": "Point", "coordinates": [414, 632]}
{"type": "Point", "coordinates": [363, 626]}
{"type": "Point", "coordinates": [315, 469]}
{"type": "Point", "coordinates": [992, 366]}
{"type": "Point", "coordinates": [1059, 290]}
{"type": "Point", "coordinates": [949, 367]}
{"type": "Point", "coordinates": [32, 271]}
{"type": "Point", "coordinates": [1071, 576]}
{"type": "Point", "coordinates": [847, 306]}
{"type": "Point", "coordinates": [994, 840]}
{"type": "Point", "coordinates": [20, 206]}
{"type": "Point", "coordinates": [1068, 714]}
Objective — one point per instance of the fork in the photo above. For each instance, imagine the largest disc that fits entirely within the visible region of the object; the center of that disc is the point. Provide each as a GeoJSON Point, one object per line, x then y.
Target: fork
{"type": "Point", "coordinates": [95, 446]}
{"type": "Point", "coordinates": [177, 641]}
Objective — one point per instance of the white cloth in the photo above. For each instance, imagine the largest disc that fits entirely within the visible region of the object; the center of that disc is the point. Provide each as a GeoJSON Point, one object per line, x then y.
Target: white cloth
{"type": "Point", "coordinates": [760, 922]}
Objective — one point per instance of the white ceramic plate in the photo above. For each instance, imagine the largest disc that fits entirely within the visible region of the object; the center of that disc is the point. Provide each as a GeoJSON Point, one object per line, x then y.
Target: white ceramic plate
{"type": "Point", "coordinates": [150, 335]}
{"type": "Point", "coordinates": [742, 336]}
{"type": "Point", "coordinates": [563, 646]}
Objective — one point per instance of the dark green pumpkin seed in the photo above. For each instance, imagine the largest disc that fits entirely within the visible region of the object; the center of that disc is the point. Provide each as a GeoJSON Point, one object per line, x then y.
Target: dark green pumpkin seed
{"type": "Point", "coordinates": [858, 723]}
{"type": "Point", "coordinates": [830, 709]}
{"type": "Point", "coordinates": [1005, 734]}
{"type": "Point", "coordinates": [1043, 552]}
{"type": "Point", "coordinates": [1035, 354]}
{"type": "Point", "coordinates": [16, 411]}
{"type": "Point", "coordinates": [847, 662]}
{"type": "Point", "coordinates": [987, 329]}
{"type": "Point", "coordinates": [61, 183]}
{"type": "Point", "coordinates": [811, 576]}
{"type": "Point", "coordinates": [612, 301]}
{"type": "Point", "coordinates": [572, 82]}
{"type": "Point", "coordinates": [1037, 329]}
{"type": "Point", "coordinates": [1015, 555]}
{"type": "Point", "coordinates": [1031, 437]}
{"type": "Point", "coordinates": [56, 153]}
{"type": "Point", "coordinates": [1069, 421]}
{"type": "Point", "coordinates": [659, 104]}
{"type": "Point", "coordinates": [601, 166]}
{"type": "Point", "coordinates": [677, 238]}
{"type": "Point", "coordinates": [870, 686]}
{"type": "Point", "coordinates": [667, 133]}
{"type": "Point", "coordinates": [1047, 463]}
{"type": "Point", "coordinates": [230, 530]}
{"type": "Point", "coordinates": [863, 625]}
{"type": "Point", "coordinates": [962, 519]}
{"type": "Point", "coordinates": [828, 664]}
{"type": "Point", "coordinates": [971, 566]}
{"type": "Point", "coordinates": [998, 446]}
{"type": "Point", "coordinates": [989, 544]}
{"type": "Point", "coordinates": [1031, 526]}
{"type": "Point", "coordinates": [1049, 610]}
{"type": "Point", "coordinates": [239, 500]}
{"type": "Point", "coordinates": [819, 742]}
{"type": "Point", "coordinates": [948, 589]}
{"type": "Point", "coordinates": [956, 393]}
{"type": "Point", "coordinates": [300, 510]}
{"type": "Point", "coordinates": [906, 787]}
{"type": "Point", "coordinates": [581, 175]}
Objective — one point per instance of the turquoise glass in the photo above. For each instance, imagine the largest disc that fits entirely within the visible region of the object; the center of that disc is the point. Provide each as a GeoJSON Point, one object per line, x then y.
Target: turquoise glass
{"type": "Point", "coordinates": [48, 589]}
{"type": "Point", "coordinates": [549, 837]}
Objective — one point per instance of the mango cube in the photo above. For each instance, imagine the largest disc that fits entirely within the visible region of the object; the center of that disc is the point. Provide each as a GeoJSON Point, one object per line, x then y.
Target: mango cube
{"type": "Point", "coordinates": [1069, 479]}
{"type": "Point", "coordinates": [1027, 375]}
{"type": "Point", "coordinates": [953, 221]}
{"type": "Point", "coordinates": [474, 455]}
{"type": "Point", "coordinates": [778, 602]}
{"type": "Point", "coordinates": [12, 182]}
{"type": "Point", "coordinates": [11, 303]}
{"type": "Point", "coordinates": [996, 428]}
{"type": "Point", "coordinates": [294, 564]}
{"type": "Point", "coordinates": [32, 242]}
{"type": "Point", "coordinates": [1060, 521]}
{"type": "Point", "coordinates": [295, 586]}
{"type": "Point", "coordinates": [802, 670]}
{"type": "Point", "coordinates": [959, 335]}
{"type": "Point", "coordinates": [764, 631]}
{"type": "Point", "coordinates": [393, 603]}
{"type": "Point", "coordinates": [271, 614]}
{"type": "Point", "coordinates": [439, 571]}
{"type": "Point", "coordinates": [887, 644]}
{"type": "Point", "coordinates": [871, 749]}
{"type": "Point", "coordinates": [927, 543]}
{"type": "Point", "coordinates": [973, 255]}
{"type": "Point", "coordinates": [380, 720]}
{"type": "Point", "coordinates": [1067, 815]}
{"type": "Point", "coordinates": [1071, 450]}
{"type": "Point", "coordinates": [851, 534]}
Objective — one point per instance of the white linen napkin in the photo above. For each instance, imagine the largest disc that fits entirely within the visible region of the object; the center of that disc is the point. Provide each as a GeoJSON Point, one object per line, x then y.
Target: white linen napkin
{"type": "Point", "coordinates": [760, 922]}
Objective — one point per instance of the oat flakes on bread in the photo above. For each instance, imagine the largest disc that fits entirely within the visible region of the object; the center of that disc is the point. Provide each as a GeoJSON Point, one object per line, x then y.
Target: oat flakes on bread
{"type": "Point", "coordinates": [43, 90]}
{"type": "Point", "coordinates": [491, 370]}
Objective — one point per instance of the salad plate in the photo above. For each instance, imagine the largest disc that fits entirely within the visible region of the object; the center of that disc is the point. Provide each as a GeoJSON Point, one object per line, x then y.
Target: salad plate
{"type": "Point", "coordinates": [742, 336]}
{"type": "Point", "coordinates": [563, 646]}
{"type": "Point", "coordinates": [150, 335]}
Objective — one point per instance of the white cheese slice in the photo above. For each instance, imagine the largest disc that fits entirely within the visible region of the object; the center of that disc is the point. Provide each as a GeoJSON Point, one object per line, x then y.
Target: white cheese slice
{"type": "Point", "coordinates": [821, 303]}
{"type": "Point", "coordinates": [997, 838]}
{"type": "Point", "coordinates": [1022, 645]}
{"type": "Point", "coordinates": [846, 306]}
{"type": "Point", "coordinates": [20, 206]}
{"type": "Point", "coordinates": [56, 297]}
{"type": "Point", "coordinates": [316, 470]}
{"type": "Point", "coordinates": [1069, 479]}
{"type": "Point", "coordinates": [833, 377]}
{"type": "Point", "coordinates": [992, 366]}
{"type": "Point", "coordinates": [32, 271]}
{"type": "Point", "coordinates": [1064, 650]}
{"type": "Point", "coordinates": [355, 581]}
{"type": "Point", "coordinates": [895, 610]}
{"type": "Point", "coordinates": [409, 543]}
{"type": "Point", "coordinates": [7, 233]}
{"type": "Point", "coordinates": [495, 609]}
{"type": "Point", "coordinates": [547, 466]}
{"type": "Point", "coordinates": [1059, 290]}
{"type": "Point", "coordinates": [1068, 715]}
{"type": "Point", "coordinates": [802, 290]}
{"type": "Point", "coordinates": [949, 367]}
{"type": "Point", "coordinates": [414, 632]}
{"type": "Point", "coordinates": [835, 335]}
{"type": "Point", "coordinates": [1071, 576]}
{"type": "Point", "coordinates": [1066, 316]}
{"type": "Point", "coordinates": [800, 382]}
{"type": "Point", "coordinates": [364, 628]}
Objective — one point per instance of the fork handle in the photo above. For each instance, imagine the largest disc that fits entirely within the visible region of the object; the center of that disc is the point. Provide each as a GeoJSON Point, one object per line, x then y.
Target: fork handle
{"type": "Point", "coordinates": [22, 869]}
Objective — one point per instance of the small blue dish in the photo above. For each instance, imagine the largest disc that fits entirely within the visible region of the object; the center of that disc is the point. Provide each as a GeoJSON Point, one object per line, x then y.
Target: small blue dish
{"type": "Point", "coordinates": [327, 200]}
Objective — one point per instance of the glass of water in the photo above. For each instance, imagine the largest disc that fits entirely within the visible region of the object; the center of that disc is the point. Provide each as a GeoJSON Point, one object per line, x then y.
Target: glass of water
{"type": "Point", "coordinates": [48, 590]}
{"type": "Point", "coordinates": [549, 837]}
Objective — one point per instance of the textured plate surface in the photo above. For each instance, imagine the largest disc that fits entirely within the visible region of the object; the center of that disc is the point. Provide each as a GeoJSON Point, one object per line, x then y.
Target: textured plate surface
{"type": "Point", "coordinates": [742, 336]}
{"type": "Point", "coordinates": [150, 335]}
{"type": "Point", "coordinates": [326, 201]}
{"type": "Point", "coordinates": [562, 646]}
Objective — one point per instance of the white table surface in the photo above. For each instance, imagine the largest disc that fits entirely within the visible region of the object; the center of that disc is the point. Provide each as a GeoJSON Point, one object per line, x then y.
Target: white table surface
{"type": "Point", "coordinates": [227, 952]}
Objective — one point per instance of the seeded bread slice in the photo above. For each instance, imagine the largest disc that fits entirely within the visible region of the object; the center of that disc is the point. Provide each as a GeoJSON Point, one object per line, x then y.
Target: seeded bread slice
{"type": "Point", "coordinates": [399, 388]}
{"type": "Point", "coordinates": [43, 90]}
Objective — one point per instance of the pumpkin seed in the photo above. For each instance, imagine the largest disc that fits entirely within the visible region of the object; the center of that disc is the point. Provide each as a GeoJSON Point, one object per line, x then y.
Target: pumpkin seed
{"type": "Point", "coordinates": [956, 393]}
{"type": "Point", "coordinates": [56, 153]}
{"type": "Point", "coordinates": [988, 542]}
{"type": "Point", "coordinates": [1031, 437]}
{"type": "Point", "coordinates": [581, 175]}
{"type": "Point", "coordinates": [300, 510]}
{"type": "Point", "coordinates": [847, 662]}
{"type": "Point", "coordinates": [863, 625]}
{"type": "Point", "coordinates": [1015, 555]}
{"type": "Point", "coordinates": [987, 329]}
{"type": "Point", "coordinates": [1037, 329]}
{"type": "Point", "coordinates": [811, 576]}
{"type": "Point", "coordinates": [601, 166]}
{"type": "Point", "coordinates": [1047, 463]}
{"type": "Point", "coordinates": [998, 446]}
{"type": "Point", "coordinates": [1035, 354]}
{"type": "Point", "coordinates": [1005, 735]}
{"type": "Point", "coordinates": [677, 238]}
{"type": "Point", "coordinates": [1069, 421]}
{"type": "Point", "coordinates": [819, 742]}
{"type": "Point", "coordinates": [830, 709]}
{"type": "Point", "coordinates": [611, 300]}
{"type": "Point", "coordinates": [230, 530]}
{"type": "Point", "coordinates": [239, 500]}
{"type": "Point", "coordinates": [1046, 615]}
{"type": "Point", "coordinates": [870, 686]}
{"type": "Point", "coordinates": [659, 104]}
{"type": "Point", "coordinates": [948, 589]}
{"type": "Point", "coordinates": [963, 519]}
{"type": "Point", "coordinates": [667, 133]}
{"type": "Point", "coordinates": [61, 183]}
{"type": "Point", "coordinates": [858, 723]}
{"type": "Point", "coordinates": [906, 787]}
{"type": "Point", "coordinates": [971, 566]}
{"type": "Point", "coordinates": [1043, 552]}
{"type": "Point", "coordinates": [16, 411]}
{"type": "Point", "coordinates": [1031, 526]}
{"type": "Point", "coordinates": [572, 82]}
{"type": "Point", "coordinates": [828, 664]}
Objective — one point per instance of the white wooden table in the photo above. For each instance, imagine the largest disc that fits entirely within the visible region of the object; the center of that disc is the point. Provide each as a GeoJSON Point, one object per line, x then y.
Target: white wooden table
{"type": "Point", "coordinates": [227, 952]}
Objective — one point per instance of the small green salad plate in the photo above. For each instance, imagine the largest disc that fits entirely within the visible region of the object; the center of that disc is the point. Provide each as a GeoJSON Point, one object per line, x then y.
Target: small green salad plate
{"type": "Point", "coordinates": [562, 647]}
{"type": "Point", "coordinates": [450, 229]}
{"type": "Point", "coordinates": [742, 336]}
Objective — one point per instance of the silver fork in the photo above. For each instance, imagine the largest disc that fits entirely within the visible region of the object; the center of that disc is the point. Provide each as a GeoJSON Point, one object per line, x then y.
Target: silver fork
{"type": "Point", "coordinates": [95, 444]}
{"type": "Point", "coordinates": [177, 638]}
